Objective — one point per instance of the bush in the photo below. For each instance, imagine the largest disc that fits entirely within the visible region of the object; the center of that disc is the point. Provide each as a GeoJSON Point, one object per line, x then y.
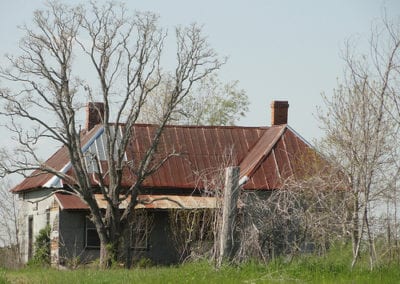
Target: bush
{"type": "Point", "coordinates": [144, 263]}
{"type": "Point", "coordinates": [42, 248]}
{"type": "Point", "coordinates": [9, 257]}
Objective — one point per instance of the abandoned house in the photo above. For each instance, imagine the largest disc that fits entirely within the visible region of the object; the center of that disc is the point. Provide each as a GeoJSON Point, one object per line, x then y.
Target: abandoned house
{"type": "Point", "coordinates": [265, 155]}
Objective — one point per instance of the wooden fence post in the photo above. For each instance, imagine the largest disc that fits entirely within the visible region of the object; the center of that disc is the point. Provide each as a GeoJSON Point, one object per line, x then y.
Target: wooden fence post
{"type": "Point", "coordinates": [229, 212]}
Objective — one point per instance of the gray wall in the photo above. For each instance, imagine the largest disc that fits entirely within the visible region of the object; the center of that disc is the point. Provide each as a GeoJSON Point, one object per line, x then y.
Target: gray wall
{"type": "Point", "coordinates": [160, 248]}
{"type": "Point", "coordinates": [34, 204]}
{"type": "Point", "coordinates": [72, 237]}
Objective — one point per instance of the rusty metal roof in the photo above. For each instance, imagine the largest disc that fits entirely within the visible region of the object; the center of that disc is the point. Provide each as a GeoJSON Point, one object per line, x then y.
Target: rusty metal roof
{"type": "Point", "coordinates": [72, 202]}
{"type": "Point", "coordinates": [264, 154]}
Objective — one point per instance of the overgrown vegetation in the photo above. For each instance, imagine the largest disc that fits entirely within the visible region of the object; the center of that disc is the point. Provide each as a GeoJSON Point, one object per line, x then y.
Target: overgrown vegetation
{"type": "Point", "coordinates": [42, 248]}
{"type": "Point", "coordinates": [332, 268]}
{"type": "Point", "coordinates": [9, 257]}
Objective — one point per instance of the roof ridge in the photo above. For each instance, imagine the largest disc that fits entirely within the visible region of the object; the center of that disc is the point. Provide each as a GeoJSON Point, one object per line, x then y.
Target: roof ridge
{"type": "Point", "coordinates": [194, 126]}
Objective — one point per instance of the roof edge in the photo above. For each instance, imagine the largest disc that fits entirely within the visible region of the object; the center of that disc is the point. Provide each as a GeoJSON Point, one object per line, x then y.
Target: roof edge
{"type": "Point", "coordinates": [301, 137]}
{"type": "Point", "coordinates": [265, 153]}
{"type": "Point", "coordinates": [55, 181]}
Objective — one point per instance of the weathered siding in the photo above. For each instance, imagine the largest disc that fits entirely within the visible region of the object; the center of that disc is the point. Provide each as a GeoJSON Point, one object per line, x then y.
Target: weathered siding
{"type": "Point", "coordinates": [72, 239]}
{"type": "Point", "coordinates": [161, 247]}
{"type": "Point", "coordinates": [33, 205]}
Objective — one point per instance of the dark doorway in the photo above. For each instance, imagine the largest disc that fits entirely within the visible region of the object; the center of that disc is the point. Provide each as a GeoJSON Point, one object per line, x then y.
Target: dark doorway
{"type": "Point", "coordinates": [30, 237]}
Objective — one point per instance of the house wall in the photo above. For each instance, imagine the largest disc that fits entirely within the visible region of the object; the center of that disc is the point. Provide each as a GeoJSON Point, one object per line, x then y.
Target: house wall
{"type": "Point", "coordinates": [72, 239]}
{"type": "Point", "coordinates": [161, 247]}
{"type": "Point", "coordinates": [34, 206]}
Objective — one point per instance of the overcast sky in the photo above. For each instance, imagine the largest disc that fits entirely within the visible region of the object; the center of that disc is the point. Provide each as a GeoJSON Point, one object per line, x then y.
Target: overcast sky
{"type": "Point", "coordinates": [286, 50]}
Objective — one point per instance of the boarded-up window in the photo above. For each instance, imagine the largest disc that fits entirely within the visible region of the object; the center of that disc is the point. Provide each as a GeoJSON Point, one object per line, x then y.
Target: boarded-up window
{"type": "Point", "coordinates": [140, 235]}
{"type": "Point", "coordinates": [140, 232]}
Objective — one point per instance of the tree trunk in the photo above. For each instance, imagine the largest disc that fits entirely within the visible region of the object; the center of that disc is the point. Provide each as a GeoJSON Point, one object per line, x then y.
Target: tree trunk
{"type": "Point", "coordinates": [357, 241]}
{"type": "Point", "coordinates": [105, 255]}
{"type": "Point", "coordinates": [127, 247]}
{"type": "Point", "coordinates": [355, 226]}
{"type": "Point", "coordinates": [371, 244]}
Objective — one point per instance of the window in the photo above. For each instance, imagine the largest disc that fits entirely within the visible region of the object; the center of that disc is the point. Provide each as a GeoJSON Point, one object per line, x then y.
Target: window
{"type": "Point", "coordinates": [48, 217]}
{"type": "Point", "coordinates": [92, 238]}
{"type": "Point", "coordinates": [140, 230]}
{"type": "Point", "coordinates": [139, 233]}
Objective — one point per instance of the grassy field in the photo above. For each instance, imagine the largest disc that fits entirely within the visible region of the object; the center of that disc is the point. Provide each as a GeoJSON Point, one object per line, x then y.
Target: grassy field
{"type": "Point", "coordinates": [306, 270]}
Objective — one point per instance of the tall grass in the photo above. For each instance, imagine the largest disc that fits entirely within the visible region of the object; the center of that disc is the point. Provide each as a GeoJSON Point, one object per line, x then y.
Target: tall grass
{"type": "Point", "coordinates": [332, 268]}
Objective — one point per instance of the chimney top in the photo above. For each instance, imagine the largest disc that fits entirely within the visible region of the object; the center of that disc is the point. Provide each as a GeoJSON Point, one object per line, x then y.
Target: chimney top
{"type": "Point", "coordinates": [279, 112]}
{"type": "Point", "coordinates": [94, 114]}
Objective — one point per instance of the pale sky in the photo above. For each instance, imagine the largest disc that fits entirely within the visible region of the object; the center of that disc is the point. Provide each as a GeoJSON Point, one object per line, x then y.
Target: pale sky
{"type": "Point", "coordinates": [286, 50]}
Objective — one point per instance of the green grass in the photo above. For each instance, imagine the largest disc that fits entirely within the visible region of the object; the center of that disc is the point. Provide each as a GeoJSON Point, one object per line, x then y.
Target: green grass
{"type": "Point", "coordinates": [332, 269]}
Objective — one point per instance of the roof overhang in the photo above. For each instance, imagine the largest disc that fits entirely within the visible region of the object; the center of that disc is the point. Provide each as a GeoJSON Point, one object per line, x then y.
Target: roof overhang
{"type": "Point", "coordinates": [72, 202]}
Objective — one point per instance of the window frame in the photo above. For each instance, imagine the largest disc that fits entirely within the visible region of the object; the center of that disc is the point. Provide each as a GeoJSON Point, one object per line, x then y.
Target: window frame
{"type": "Point", "coordinates": [143, 232]}
{"type": "Point", "coordinates": [90, 227]}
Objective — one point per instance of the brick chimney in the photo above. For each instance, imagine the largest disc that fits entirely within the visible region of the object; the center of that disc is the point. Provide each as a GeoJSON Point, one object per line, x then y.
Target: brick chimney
{"type": "Point", "coordinates": [279, 112]}
{"type": "Point", "coordinates": [94, 114]}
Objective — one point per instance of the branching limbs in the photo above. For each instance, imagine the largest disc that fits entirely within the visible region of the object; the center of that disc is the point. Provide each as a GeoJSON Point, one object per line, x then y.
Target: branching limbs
{"type": "Point", "coordinates": [125, 55]}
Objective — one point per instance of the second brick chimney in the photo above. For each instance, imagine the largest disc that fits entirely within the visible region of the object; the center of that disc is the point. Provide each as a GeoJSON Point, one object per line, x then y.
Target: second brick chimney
{"type": "Point", "coordinates": [279, 112]}
{"type": "Point", "coordinates": [94, 114]}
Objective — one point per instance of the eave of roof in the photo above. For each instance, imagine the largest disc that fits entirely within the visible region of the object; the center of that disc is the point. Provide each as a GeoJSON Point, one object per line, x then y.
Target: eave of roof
{"type": "Point", "coordinates": [70, 202]}
{"type": "Point", "coordinates": [59, 161]}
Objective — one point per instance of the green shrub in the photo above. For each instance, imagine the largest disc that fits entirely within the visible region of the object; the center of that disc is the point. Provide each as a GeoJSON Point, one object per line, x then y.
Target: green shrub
{"type": "Point", "coordinates": [144, 263]}
{"type": "Point", "coordinates": [42, 248]}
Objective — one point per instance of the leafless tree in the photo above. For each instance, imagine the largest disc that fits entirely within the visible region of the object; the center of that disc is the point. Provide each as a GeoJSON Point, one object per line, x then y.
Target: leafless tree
{"type": "Point", "coordinates": [46, 88]}
{"type": "Point", "coordinates": [360, 129]}
{"type": "Point", "coordinates": [307, 214]}
{"type": "Point", "coordinates": [9, 226]}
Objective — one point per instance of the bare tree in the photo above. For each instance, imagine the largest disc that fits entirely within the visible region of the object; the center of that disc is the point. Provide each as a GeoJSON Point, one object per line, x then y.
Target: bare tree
{"type": "Point", "coordinates": [47, 89]}
{"type": "Point", "coordinates": [9, 223]}
{"type": "Point", "coordinates": [360, 129]}
{"type": "Point", "coordinates": [307, 214]}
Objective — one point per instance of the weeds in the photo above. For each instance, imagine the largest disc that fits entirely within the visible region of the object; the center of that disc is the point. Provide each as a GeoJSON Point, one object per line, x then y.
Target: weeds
{"type": "Point", "coordinates": [333, 268]}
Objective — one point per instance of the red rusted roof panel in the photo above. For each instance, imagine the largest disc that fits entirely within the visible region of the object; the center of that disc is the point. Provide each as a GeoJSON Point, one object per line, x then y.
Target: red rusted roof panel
{"type": "Point", "coordinates": [287, 155]}
{"type": "Point", "coordinates": [262, 153]}
{"type": "Point", "coordinates": [282, 159]}
{"type": "Point", "coordinates": [70, 202]}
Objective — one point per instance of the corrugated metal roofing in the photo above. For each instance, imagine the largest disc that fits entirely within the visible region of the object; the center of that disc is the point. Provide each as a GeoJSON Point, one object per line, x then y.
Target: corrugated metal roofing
{"type": "Point", "coordinates": [58, 161]}
{"type": "Point", "coordinates": [265, 155]}
{"type": "Point", "coordinates": [71, 202]}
